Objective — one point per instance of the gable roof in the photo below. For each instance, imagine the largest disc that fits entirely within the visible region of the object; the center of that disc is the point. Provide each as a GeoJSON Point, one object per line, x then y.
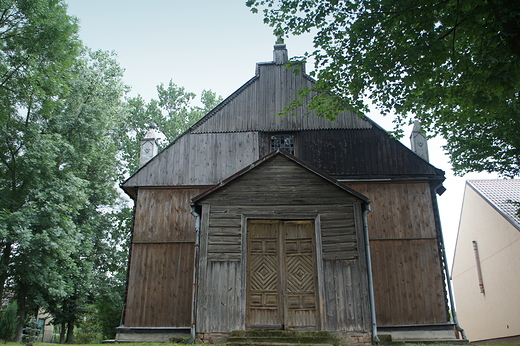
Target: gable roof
{"type": "Point", "coordinates": [289, 157]}
{"type": "Point", "coordinates": [354, 146]}
{"type": "Point", "coordinates": [499, 193]}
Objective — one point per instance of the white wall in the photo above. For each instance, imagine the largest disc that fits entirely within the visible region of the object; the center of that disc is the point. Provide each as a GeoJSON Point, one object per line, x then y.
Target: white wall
{"type": "Point", "coordinates": [495, 313]}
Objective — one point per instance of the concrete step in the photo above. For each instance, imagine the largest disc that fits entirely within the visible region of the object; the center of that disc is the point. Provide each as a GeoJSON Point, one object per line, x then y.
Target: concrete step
{"type": "Point", "coordinates": [389, 341]}
{"type": "Point", "coordinates": [274, 344]}
{"type": "Point", "coordinates": [282, 333]}
{"type": "Point", "coordinates": [280, 337]}
{"type": "Point", "coordinates": [435, 341]}
{"type": "Point", "coordinates": [280, 340]}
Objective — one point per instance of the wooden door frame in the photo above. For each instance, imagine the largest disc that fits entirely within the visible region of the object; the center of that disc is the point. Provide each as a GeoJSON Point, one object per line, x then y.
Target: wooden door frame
{"type": "Point", "coordinates": [320, 289]}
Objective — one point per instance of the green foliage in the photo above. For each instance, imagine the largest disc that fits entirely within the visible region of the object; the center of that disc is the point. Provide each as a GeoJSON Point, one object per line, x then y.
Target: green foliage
{"type": "Point", "coordinates": [30, 332]}
{"type": "Point", "coordinates": [40, 195]}
{"type": "Point", "coordinates": [454, 65]}
{"type": "Point", "coordinates": [60, 104]}
{"type": "Point", "coordinates": [109, 307]}
{"type": "Point", "coordinates": [90, 116]}
{"type": "Point", "coordinates": [8, 322]}
{"type": "Point", "coordinates": [89, 327]}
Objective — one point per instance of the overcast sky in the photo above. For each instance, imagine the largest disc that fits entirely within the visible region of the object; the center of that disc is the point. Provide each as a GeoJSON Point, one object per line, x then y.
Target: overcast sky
{"type": "Point", "coordinates": [209, 44]}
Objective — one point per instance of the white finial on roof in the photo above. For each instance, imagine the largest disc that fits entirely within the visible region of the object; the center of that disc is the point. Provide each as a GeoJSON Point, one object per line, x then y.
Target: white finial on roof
{"type": "Point", "coordinates": [418, 141]}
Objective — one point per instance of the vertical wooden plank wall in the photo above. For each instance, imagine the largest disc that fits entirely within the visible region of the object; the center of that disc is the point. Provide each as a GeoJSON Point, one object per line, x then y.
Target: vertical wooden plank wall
{"type": "Point", "coordinates": [221, 305]}
{"type": "Point", "coordinates": [408, 281]}
{"type": "Point", "coordinates": [161, 269]}
{"type": "Point", "coordinates": [255, 108]}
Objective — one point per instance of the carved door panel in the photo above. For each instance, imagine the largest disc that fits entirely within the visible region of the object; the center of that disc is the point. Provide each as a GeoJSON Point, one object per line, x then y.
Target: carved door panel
{"type": "Point", "coordinates": [281, 286]}
{"type": "Point", "coordinates": [263, 286]}
{"type": "Point", "coordinates": [300, 275]}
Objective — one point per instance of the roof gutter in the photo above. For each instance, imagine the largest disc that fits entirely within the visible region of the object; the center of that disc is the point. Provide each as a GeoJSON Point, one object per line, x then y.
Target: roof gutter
{"type": "Point", "coordinates": [375, 338]}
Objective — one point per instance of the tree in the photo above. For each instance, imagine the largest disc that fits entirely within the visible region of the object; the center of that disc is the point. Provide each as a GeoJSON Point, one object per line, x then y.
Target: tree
{"type": "Point", "coordinates": [453, 65]}
{"type": "Point", "coordinates": [38, 196]}
{"type": "Point", "coordinates": [37, 39]}
{"type": "Point", "coordinates": [58, 174]}
{"type": "Point", "coordinates": [87, 117]}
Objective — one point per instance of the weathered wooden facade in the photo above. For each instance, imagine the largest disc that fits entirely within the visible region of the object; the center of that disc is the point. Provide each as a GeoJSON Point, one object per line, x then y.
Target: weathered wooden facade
{"type": "Point", "coordinates": [293, 257]}
{"type": "Point", "coordinates": [251, 220]}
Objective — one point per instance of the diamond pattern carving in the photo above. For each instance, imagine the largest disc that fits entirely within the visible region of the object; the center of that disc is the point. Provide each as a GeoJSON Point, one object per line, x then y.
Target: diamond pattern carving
{"type": "Point", "coordinates": [263, 274]}
{"type": "Point", "coordinates": [300, 274]}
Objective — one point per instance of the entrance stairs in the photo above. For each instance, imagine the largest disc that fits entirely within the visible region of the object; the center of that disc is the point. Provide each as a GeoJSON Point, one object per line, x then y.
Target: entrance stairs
{"type": "Point", "coordinates": [281, 338]}
{"type": "Point", "coordinates": [388, 340]}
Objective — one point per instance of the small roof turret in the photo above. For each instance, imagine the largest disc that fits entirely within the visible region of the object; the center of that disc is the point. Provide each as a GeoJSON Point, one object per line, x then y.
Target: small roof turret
{"type": "Point", "coordinates": [418, 141]}
{"type": "Point", "coordinates": [149, 145]}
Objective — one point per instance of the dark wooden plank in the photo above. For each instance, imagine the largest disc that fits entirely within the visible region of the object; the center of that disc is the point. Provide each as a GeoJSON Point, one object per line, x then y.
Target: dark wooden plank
{"type": "Point", "coordinates": [164, 215]}
{"type": "Point", "coordinates": [419, 302]}
{"type": "Point", "coordinates": [340, 239]}
{"type": "Point", "coordinates": [224, 248]}
{"type": "Point", "coordinates": [160, 273]}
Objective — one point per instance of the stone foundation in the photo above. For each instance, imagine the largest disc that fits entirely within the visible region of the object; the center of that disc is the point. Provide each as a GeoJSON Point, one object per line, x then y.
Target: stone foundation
{"type": "Point", "coordinates": [341, 338]}
{"type": "Point", "coordinates": [151, 334]}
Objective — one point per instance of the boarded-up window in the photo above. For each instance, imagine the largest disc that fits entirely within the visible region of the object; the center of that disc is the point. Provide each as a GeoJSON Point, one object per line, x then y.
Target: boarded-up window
{"type": "Point", "coordinates": [338, 234]}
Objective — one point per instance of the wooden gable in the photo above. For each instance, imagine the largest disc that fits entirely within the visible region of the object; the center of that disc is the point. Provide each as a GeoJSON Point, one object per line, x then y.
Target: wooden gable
{"type": "Point", "coordinates": [284, 170]}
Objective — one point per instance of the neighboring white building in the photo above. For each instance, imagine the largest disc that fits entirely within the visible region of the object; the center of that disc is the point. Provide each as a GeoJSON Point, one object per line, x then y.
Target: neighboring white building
{"type": "Point", "coordinates": [45, 327]}
{"type": "Point", "coordinates": [486, 267]}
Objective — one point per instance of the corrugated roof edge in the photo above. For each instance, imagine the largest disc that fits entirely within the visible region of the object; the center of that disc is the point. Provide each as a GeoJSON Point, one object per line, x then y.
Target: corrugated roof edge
{"type": "Point", "coordinates": [290, 157]}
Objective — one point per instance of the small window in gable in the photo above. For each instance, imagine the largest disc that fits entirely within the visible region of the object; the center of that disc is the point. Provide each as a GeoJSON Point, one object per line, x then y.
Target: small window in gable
{"type": "Point", "coordinates": [284, 142]}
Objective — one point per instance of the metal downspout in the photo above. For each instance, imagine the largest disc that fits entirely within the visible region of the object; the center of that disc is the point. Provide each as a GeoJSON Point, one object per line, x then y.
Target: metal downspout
{"type": "Point", "coordinates": [448, 277]}
{"type": "Point", "coordinates": [375, 338]}
{"type": "Point", "coordinates": [195, 274]}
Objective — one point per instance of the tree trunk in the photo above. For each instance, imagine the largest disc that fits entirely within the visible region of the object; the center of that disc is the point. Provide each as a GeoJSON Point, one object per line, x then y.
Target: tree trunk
{"type": "Point", "coordinates": [62, 332]}
{"type": "Point", "coordinates": [70, 333]}
{"type": "Point", "coordinates": [22, 298]}
{"type": "Point", "coordinates": [4, 264]}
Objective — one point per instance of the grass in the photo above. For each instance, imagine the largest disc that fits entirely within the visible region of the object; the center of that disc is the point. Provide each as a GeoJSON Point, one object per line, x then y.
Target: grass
{"type": "Point", "coordinates": [163, 344]}
{"type": "Point", "coordinates": [97, 344]}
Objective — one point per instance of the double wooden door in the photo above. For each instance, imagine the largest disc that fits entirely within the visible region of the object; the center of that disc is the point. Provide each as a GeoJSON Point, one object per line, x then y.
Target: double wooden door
{"type": "Point", "coordinates": [281, 275]}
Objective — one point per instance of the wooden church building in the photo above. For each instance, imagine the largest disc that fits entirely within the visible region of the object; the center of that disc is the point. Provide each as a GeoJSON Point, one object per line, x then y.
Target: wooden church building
{"type": "Point", "coordinates": [250, 220]}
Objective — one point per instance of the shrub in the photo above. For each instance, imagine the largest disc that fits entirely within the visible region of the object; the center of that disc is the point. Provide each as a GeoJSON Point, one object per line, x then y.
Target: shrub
{"type": "Point", "coordinates": [8, 322]}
